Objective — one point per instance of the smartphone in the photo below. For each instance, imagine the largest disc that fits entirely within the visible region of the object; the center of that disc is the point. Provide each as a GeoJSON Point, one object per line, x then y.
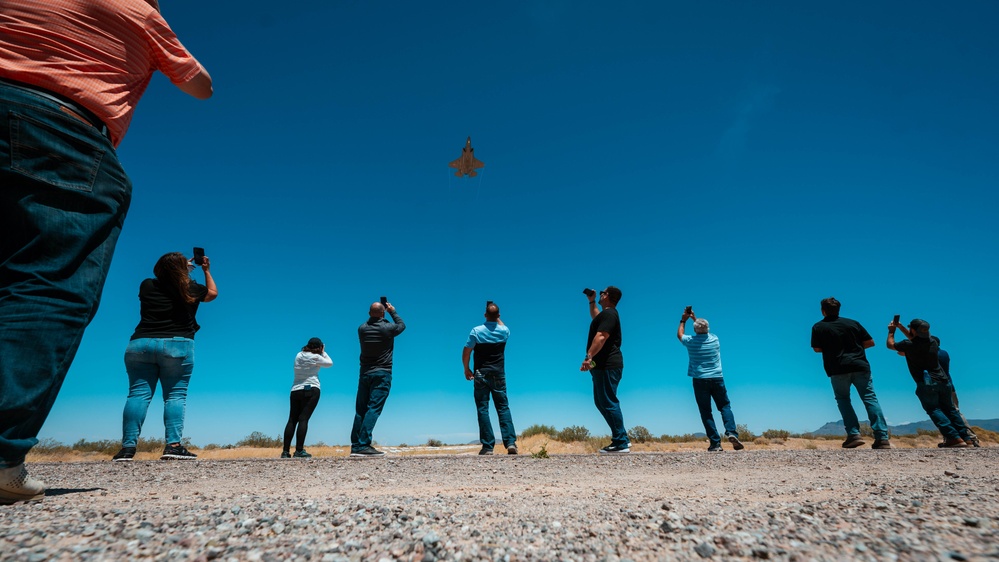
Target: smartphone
{"type": "Point", "coordinates": [199, 256]}
{"type": "Point", "coordinates": [589, 292]}
{"type": "Point", "coordinates": [895, 321]}
{"type": "Point", "coordinates": [384, 301]}
{"type": "Point", "coordinates": [488, 303]}
{"type": "Point", "coordinates": [689, 309]}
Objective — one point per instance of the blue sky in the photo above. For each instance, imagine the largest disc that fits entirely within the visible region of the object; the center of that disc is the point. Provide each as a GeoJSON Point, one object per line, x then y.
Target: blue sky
{"type": "Point", "coordinates": [748, 159]}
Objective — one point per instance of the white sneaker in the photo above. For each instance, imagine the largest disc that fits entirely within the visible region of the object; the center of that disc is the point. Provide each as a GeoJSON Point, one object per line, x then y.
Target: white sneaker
{"type": "Point", "coordinates": [17, 486]}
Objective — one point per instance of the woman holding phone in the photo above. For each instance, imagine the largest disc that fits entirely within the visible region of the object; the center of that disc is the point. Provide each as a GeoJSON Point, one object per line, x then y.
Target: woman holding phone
{"type": "Point", "coordinates": [162, 350]}
{"type": "Point", "coordinates": [304, 396]}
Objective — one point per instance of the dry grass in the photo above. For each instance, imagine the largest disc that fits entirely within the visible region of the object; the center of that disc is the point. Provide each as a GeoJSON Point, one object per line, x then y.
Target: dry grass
{"type": "Point", "coordinates": [526, 445]}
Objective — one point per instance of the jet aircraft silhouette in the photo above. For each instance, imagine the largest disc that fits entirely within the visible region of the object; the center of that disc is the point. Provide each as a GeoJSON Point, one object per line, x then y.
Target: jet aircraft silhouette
{"type": "Point", "coordinates": [467, 163]}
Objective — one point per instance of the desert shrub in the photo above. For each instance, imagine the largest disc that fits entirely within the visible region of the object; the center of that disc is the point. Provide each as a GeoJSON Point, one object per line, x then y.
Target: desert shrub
{"type": "Point", "coordinates": [639, 434]}
{"type": "Point", "coordinates": [781, 434]}
{"type": "Point", "coordinates": [685, 438]}
{"type": "Point", "coordinates": [103, 446]}
{"type": "Point", "coordinates": [761, 441]}
{"type": "Point", "coordinates": [573, 433]}
{"type": "Point", "coordinates": [811, 446]}
{"type": "Point", "coordinates": [744, 433]}
{"type": "Point", "coordinates": [50, 446]}
{"type": "Point", "coordinates": [541, 453]}
{"type": "Point", "coordinates": [258, 439]}
{"type": "Point", "coordinates": [434, 442]}
{"type": "Point", "coordinates": [777, 441]}
{"type": "Point", "coordinates": [212, 447]}
{"type": "Point", "coordinates": [930, 432]}
{"type": "Point", "coordinates": [538, 429]}
{"type": "Point", "coordinates": [865, 429]}
{"type": "Point", "coordinates": [985, 435]}
{"type": "Point", "coordinates": [404, 445]}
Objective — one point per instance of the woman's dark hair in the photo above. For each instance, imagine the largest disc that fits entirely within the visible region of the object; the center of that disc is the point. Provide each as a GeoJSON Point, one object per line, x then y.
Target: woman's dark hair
{"type": "Point", "coordinates": [172, 269]}
{"type": "Point", "coordinates": [315, 345]}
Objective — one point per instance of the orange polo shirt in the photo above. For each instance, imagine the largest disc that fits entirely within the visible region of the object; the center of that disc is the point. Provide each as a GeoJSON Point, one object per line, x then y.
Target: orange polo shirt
{"type": "Point", "coordinates": [98, 53]}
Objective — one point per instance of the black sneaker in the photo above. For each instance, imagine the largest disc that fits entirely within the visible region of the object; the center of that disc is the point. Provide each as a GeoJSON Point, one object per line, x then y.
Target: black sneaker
{"type": "Point", "coordinates": [736, 444]}
{"type": "Point", "coordinates": [616, 450]}
{"type": "Point", "coordinates": [125, 454]}
{"type": "Point", "coordinates": [285, 455]}
{"type": "Point", "coordinates": [302, 455]}
{"type": "Point", "coordinates": [881, 444]}
{"type": "Point", "coordinates": [715, 448]}
{"type": "Point", "coordinates": [367, 452]}
{"type": "Point", "coordinates": [177, 452]}
{"type": "Point", "coordinates": [512, 450]}
{"type": "Point", "coordinates": [852, 442]}
{"type": "Point", "coordinates": [485, 451]}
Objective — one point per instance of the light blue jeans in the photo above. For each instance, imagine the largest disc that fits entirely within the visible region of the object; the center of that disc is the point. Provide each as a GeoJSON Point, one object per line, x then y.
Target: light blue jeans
{"type": "Point", "coordinates": [148, 360]}
{"type": "Point", "coordinates": [865, 388]}
{"type": "Point", "coordinates": [63, 200]}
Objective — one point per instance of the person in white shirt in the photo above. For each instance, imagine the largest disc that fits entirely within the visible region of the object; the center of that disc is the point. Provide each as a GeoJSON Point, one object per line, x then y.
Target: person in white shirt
{"type": "Point", "coordinates": [304, 395]}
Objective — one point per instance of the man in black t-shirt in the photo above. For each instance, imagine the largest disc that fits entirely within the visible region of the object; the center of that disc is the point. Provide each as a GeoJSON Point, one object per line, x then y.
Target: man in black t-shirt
{"type": "Point", "coordinates": [933, 386]}
{"type": "Point", "coordinates": [842, 342]}
{"type": "Point", "coordinates": [606, 364]}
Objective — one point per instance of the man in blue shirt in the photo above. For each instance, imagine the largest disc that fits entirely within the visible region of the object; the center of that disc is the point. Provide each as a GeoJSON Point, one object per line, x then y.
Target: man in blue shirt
{"type": "Point", "coordinates": [489, 343]}
{"type": "Point", "coordinates": [705, 368]}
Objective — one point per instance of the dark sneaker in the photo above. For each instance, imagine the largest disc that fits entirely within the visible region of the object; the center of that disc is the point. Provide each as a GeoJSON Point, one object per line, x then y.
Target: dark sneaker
{"type": "Point", "coordinates": [852, 442]}
{"type": "Point", "coordinates": [485, 451]}
{"type": "Point", "coordinates": [974, 442]}
{"type": "Point", "coordinates": [125, 454]}
{"type": "Point", "coordinates": [512, 450]}
{"type": "Point", "coordinates": [616, 450]}
{"type": "Point", "coordinates": [285, 455]}
{"type": "Point", "coordinates": [367, 452]}
{"type": "Point", "coordinates": [715, 448]}
{"type": "Point", "coordinates": [177, 452]}
{"type": "Point", "coordinates": [953, 444]}
{"type": "Point", "coordinates": [881, 444]}
{"type": "Point", "coordinates": [736, 444]}
{"type": "Point", "coordinates": [302, 455]}
{"type": "Point", "coordinates": [17, 486]}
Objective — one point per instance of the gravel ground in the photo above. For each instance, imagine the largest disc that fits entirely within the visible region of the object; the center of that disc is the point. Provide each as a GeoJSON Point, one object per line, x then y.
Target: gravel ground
{"type": "Point", "coordinates": [915, 504]}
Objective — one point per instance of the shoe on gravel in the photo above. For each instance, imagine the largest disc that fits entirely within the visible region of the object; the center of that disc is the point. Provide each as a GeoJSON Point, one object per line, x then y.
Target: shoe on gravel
{"type": "Point", "coordinates": [736, 444]}
{"type": "Point", "coordinates": [285, 455]}
{"type": "Point", "coordinates": [881, 444]}
{"type": "Point", "coordinates": [125, 454]}
{"type": "Point", "coordinates": [953, 444]}
{"type": "Point", "coordinates": [302, 454]}
{"type": "Point", "coordinates": [177, 452]}
{"type": "Point", "coordinates": [715, 448]}
{"type": "Point", "coordinates": [852, 442]}
{"type": "Point", "coordinates": [485, 451]}
{"type": "Point", "coordinates": [512, 450]}
{"type": "Point", "coordinates": [17, 486]}
{"type": "Point", "coordinates": [616, 449]}
{"type": "Point", "coordinates": [367, 452]}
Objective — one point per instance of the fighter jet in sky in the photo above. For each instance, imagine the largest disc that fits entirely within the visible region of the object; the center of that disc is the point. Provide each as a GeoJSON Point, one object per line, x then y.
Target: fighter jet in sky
{"type": "Point", "coordinates": [467, 163]}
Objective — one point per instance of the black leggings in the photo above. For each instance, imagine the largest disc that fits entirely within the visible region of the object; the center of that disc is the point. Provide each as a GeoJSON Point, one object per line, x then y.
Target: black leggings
{"type": "Point", "coordinates": [303, 403]}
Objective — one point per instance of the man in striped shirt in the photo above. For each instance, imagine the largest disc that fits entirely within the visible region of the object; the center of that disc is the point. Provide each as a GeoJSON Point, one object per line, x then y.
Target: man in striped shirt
{"type": "Point", "coordinates": [705, 368]}
{"type": "Point", "coordinates": [71, 72]}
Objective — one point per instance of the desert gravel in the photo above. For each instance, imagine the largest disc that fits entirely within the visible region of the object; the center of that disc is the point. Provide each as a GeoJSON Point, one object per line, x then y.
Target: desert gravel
{"type": "Point", "coordinates": [910, 504]}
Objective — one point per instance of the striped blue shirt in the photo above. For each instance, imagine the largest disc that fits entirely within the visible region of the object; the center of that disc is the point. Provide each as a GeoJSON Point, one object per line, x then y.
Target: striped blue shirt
{"type": "Point", "coordinates": [705, 356]}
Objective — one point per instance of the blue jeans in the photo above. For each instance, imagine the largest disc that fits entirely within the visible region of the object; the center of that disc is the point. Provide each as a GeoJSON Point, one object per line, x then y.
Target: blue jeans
{"type": "Point", "coordinates": [865, 388]}
{"type": "Point", "coordinates": [493, 384]}
{"type": "Point", "coordinates": [605, 383]}
{"type": "Point", "coordinates": [148, 360]}
{"type": "Point", "coordinates": [937, 399]}
{"type": "Point", "coordinates": [372, 391]}
{"type": "Point", "coordinates": [704, 391]}
{"type": "Point", "coordinates": [63, 200]}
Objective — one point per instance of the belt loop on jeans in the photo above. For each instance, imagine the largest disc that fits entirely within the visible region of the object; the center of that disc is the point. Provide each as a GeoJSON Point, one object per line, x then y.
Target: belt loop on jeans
{"type": "Point", "coordinates": [76, 108]}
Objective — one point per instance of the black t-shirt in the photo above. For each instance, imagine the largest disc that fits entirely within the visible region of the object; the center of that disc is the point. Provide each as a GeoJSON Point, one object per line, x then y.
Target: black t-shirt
{"type": "Point", "coordinates": [164, 314]}
{"type": "Point", "coordinates": [609, 356]}
{"type": "Point", "coordinates": [921, 355]}
{"type": "Point", "coordinates": [842, 343]}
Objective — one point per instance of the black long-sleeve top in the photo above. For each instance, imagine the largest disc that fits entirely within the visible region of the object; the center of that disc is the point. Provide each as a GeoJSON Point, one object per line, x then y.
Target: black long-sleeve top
{"type": "Point", "coordinates": [377, 337]}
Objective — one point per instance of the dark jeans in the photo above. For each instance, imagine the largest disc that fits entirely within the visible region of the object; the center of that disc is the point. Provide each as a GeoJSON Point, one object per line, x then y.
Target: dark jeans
{"type": "Point", "coordinates": [63, 200]}
{"type": "Point", "coordinates": [704, 391]}
{"type": "Point", "coordinates": [605, 383]}
{"type": "Point", "coordinates": [372, 391]}
{"type": "Point", "coordinates": [493, 384]}
{"type": "Point", "coordinates": [303, 403]}
{"type": "Point", "coordinates": [865, 388]}
{"type": "Point", "coordinates": [936, 399]}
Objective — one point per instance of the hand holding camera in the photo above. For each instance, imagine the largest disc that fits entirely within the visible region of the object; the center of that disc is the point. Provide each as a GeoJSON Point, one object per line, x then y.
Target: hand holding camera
{"type": "Point", "coordinates": [590, 293]}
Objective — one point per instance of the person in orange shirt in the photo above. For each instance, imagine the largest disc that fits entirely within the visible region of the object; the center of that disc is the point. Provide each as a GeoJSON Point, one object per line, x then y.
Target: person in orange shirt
{"type": "Point", "coordinates": [71, 72]}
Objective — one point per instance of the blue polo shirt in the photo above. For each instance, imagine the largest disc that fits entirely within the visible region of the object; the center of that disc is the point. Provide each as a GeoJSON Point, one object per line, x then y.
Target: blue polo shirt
{"type": "Point", "coordinates": [488, 343]}
{"type": "Point", "coordinates": [705, 356]}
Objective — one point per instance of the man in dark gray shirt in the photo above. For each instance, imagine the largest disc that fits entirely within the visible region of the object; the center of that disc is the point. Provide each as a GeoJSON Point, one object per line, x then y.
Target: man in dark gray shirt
{"type": "Point", "coordinates": [377, 337]}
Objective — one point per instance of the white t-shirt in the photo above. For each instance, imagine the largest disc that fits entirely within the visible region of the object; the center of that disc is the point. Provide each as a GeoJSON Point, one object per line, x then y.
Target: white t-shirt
{"type": "Point", "coordinates": [307, 365]}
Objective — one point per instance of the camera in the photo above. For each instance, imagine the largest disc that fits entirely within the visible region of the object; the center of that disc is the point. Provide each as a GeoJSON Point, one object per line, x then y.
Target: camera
{"type": "Point", "coordinates": [199, 256]}
{"type": "Point", "coordinates": [589, 292]}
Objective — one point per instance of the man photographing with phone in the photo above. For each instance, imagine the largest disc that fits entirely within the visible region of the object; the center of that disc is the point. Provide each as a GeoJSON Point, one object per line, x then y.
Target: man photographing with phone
{"type": "Point", "coordinates": [605, 364]}
{"type": "Point", "coordinates": [377, 338]}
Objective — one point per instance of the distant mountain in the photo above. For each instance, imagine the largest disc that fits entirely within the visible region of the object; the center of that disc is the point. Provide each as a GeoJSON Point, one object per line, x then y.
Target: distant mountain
{"type": "Point", "coordinates": [838, 428]}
